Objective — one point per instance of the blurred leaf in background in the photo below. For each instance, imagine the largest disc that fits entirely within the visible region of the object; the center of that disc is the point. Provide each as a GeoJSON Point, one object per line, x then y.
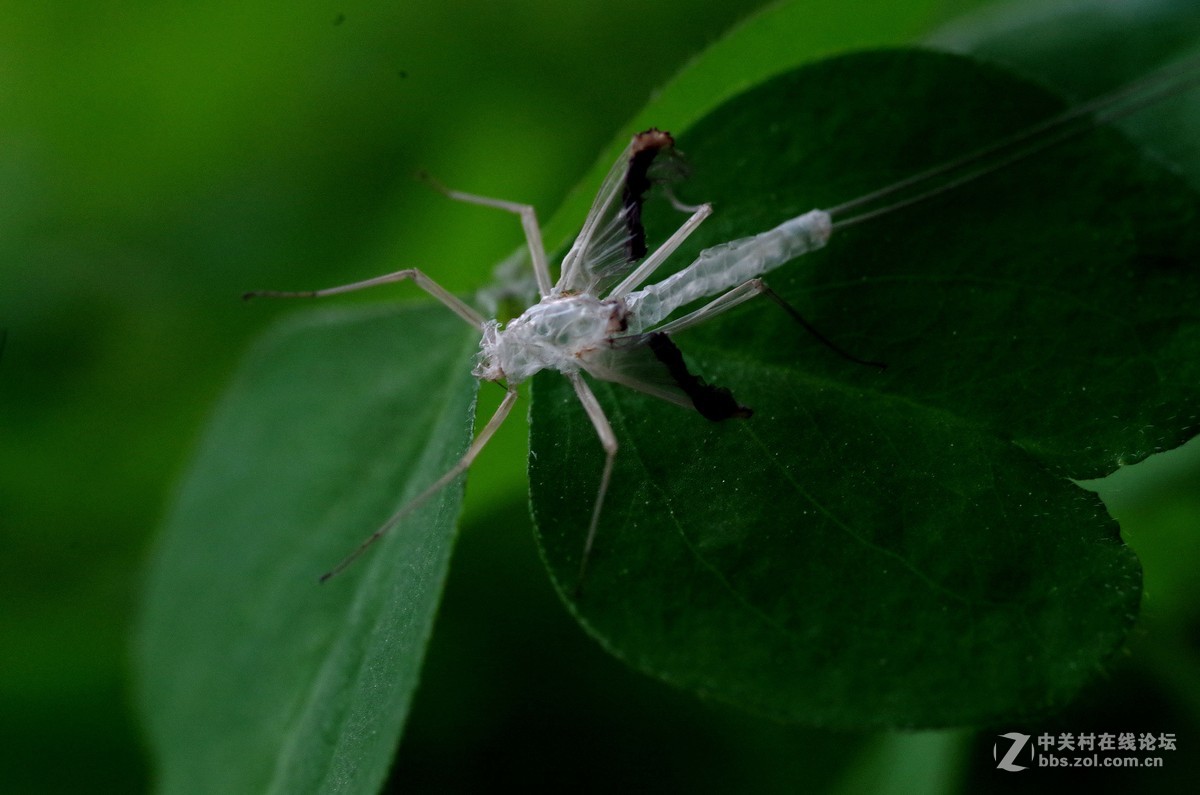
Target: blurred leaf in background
{"type": "Point", "coordinates": [159, 161]}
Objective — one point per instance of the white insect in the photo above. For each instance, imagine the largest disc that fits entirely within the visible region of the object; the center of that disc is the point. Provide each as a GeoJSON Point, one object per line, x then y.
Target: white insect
{"type": "Point", "coordinates": [598, 317]}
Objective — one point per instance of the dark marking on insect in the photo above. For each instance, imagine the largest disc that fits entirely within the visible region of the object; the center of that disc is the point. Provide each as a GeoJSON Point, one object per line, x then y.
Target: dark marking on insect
{"type": "Point", "coordinates": [646, 146]}
{"type": "Point", "coordinates": [713, 402]}
{"type": "Point", "coordinates": [618, 318]}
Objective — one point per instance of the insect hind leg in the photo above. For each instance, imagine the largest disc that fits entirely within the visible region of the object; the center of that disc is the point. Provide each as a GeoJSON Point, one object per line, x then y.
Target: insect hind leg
{"type": "Point", "coordinates": [811, 329]}
{"type": "Point", "coordinates": [744, 292]}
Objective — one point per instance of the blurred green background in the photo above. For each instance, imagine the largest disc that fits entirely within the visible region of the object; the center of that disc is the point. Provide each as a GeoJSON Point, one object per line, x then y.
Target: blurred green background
{"type": "Point", "coordinates": [156, 160]}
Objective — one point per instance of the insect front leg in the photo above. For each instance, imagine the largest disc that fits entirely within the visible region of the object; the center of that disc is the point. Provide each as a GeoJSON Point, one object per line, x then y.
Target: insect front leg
{"type": "Point", "coordinates": [608, 440]}
{"type": "Point", "coordinates": [448, 299]}
{"type": "Point", "coordinates": [445, 480]}
{"type": "Point", "coordinates": [528, 215]}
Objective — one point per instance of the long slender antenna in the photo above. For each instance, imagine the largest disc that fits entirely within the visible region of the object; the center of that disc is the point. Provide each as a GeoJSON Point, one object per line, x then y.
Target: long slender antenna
{"type": "Point", "coordinates": [1037, 138]}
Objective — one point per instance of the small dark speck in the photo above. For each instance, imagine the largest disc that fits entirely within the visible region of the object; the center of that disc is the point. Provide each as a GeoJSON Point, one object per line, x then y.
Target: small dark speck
{"type": "Point", "coordinates": [339, 19]}
{"type": "Point", "coordinates": [403, 74]}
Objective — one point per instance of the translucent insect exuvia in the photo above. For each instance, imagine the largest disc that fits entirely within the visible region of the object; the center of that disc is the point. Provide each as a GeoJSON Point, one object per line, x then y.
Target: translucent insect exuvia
{"type": "Point", "coordinates": [602, 317]}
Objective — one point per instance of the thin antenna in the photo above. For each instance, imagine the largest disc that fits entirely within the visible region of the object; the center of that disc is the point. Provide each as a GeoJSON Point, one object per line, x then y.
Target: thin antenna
{"type": "Point", "coordinates": [1041, 136]}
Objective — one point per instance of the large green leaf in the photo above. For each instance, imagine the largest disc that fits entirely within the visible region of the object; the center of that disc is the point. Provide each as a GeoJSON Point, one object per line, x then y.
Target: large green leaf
{"type": "Point", "coordinates": [253, 677]}
{"type": "Point", "coordinates": [905, 547]}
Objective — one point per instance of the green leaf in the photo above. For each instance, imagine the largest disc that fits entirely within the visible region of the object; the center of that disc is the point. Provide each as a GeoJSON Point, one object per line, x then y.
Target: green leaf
{"type": "Point", "coordinates": [899, 548]}
{"type": "Point", "coordinates": [1084, 48]}
{"type": "Point", "coordinates": [253, 677]}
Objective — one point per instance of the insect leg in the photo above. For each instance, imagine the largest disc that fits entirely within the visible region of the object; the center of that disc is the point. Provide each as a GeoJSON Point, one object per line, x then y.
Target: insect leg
{"type": "Point", "coordinates": [463, 464]}
{"type": "Point", "coordinates": [723, 303]}
{"type": "Point", "coordinates": [744, 292]}
{"type": "Point", "coordinates": [448, 299]}
{"type": "Point", "coordinates": [533, 233]}
{"type": "Point", "coordinates": [679, 205]}
{"type": "Point", "coordinates": [644, 271]}
{"type": "Point", "coordinates": [608, 440]}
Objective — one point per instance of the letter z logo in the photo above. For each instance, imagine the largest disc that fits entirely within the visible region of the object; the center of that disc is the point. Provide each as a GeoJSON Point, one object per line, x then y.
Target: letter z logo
{"type": "Point", "coordinates": [1018, 742]}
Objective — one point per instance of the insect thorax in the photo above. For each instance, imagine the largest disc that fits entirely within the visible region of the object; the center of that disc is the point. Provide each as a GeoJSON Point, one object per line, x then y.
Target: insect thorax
{"type": "Point", "coordinates": [552, 334]}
